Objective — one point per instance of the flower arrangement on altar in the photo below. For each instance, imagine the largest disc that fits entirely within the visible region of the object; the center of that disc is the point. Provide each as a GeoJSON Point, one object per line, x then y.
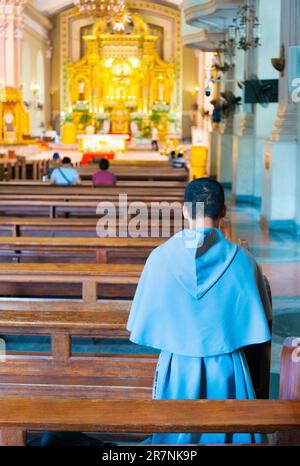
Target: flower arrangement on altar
{"type": "Point", "coordinates": [102, 117]}
{"type": "Point", "coordinates": [67, 118]}
{"type": "Point", "coordinates": [160, 108]}
{"type": "Point", "coordinates": [137, 116]}
{"type": "Point", "coordinates": [80, 106]}
{"type": "Point", "coordinates": [173, 149]}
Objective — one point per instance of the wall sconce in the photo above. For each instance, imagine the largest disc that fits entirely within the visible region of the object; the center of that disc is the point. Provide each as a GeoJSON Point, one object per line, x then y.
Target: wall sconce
{"type": "Point", "coordinates": [279, 63]}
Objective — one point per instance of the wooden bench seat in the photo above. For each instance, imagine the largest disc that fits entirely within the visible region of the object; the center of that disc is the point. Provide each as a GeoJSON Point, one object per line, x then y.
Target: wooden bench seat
{"type": "Point", "coordinates": [107, 322]}
{"type": "Point", "coordinates": [112, 375]}
{"type": "Point", "coordinates": [7, 190]}
{"type": "Point", "coordinates": [81, 208]}
{"type": "Point", "coordinates": [35, 169]}
{"type": "Point", "coordinates": [78, 250]}
{"type": "Point", "coordinates": [161, 185]}
{"type": "Point", "coordinates": [141, 174]}
{"type": "Point", "coordinates": [86, 282]}
{"type": "Point", "coordinates": [18, 415]}
{"type": "Point", "coordinates": [72, 227]}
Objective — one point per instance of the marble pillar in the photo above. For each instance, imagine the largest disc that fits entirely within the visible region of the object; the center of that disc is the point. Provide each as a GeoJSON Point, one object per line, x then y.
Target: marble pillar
{"type": "Point", "coordinates": [224, 158]}
{"type": "Point", "coordinates": [243, 161]}
{"type": "Point", "coordinates": [48, 85]}
{"type": "Point", "coordinates": [281, 176]}
{"type": "Point", "coordinates": [11, 27]}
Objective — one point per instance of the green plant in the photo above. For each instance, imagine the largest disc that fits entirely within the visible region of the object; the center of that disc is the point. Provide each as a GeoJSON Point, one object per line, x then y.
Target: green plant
{"type": "Point", "coordinates": [68, 118]}
{"type": "Point", "coordinates": [85, 118]}
{"type": "Point", "coordinates": [172, 118]}
{"type": "Point", "coordinates": [147, 132]}
{"type": "Point", "coordinates": [155, 117]}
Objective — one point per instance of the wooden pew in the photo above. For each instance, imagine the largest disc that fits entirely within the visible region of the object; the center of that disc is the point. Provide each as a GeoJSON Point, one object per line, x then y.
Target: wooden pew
{"type": "Point", "coordinates": [113, 376]}
{"type": "Point", "coordinates": [14, 169]}
{"type": "Point", "coordinates": [77, 250]}
{"type": "Point", "coordinates": [75, 227]}
{"type": "Point", "coordinates": [134, 172]}
{"type": "Point", "coordinates": [89, 193]}
{"type": "Point", "coordinates": [162, 185]}
{"type": "Point", "coordinates": [108, 322]}
{"type": "Point", "coordinates": [18, 415]}
{"type": "Point", "coordinates": [35, 169]}
{"type": "Point", "coordinates": [54, 405]}
{"type": "Point", "coordinates": [52, 208]}
{"type": "Point", "coordinates": [28, 186]}
{"type": "Point", "coordinates": [97, 281]}
{"type": "Point", "coordinates": [290, 384]}
{"type": "Point", "coordinates": [84, 282]}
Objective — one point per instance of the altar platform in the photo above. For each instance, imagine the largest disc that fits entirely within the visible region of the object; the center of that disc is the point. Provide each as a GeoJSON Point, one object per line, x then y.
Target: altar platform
{"type": "Point", "coordinates": [33, 152]}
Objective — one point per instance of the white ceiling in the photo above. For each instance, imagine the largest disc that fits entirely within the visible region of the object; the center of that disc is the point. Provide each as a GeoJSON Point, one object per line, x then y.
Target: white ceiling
{"type": "Point", "coordinates": [52, 7]}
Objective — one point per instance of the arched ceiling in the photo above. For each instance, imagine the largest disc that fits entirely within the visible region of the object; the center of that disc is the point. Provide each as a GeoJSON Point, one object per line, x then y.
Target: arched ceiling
{"type": "Point", "coordinates": [214, 15]}
{"type": "Point", "coordinates": [52, 7]}
{"type": "Point", "coordinates": [203, 25]}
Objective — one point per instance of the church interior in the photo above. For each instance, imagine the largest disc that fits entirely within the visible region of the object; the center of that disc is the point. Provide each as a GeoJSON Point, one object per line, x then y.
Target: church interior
{"type": "Point", "coordinates": [163, 92]}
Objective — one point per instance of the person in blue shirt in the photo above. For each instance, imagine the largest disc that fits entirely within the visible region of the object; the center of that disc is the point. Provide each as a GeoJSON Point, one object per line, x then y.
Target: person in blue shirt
{"type": "Point", "coordinates": [65, 174]}
{"type": "Point", "coordinates": [200, 300]}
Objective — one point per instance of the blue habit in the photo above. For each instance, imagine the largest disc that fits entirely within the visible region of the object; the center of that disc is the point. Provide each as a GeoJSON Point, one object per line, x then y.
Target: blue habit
{"type": "Point", "coordinates": [200, 300]}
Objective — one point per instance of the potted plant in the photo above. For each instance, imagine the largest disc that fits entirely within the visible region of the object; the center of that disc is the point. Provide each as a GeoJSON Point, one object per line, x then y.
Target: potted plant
{"type": "Point", "coordinates": [155, 118]}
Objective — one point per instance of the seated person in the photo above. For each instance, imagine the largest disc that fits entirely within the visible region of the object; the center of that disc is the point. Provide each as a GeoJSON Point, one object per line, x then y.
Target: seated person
{"type": "Point", "coordinates": [56, 158]}
{"type": "Point", "coordinates": [178, 162]}
{"type": "Point", "coordinates": [103, 176]}
{"type": "Point", "coordinates": [200, 300]}
{"type": "Point", "coordinates": [65, 174]}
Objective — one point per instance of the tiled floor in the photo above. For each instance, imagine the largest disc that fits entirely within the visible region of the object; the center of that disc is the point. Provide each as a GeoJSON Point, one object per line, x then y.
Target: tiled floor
{"type": "Point", "coordinates": [279, 255]}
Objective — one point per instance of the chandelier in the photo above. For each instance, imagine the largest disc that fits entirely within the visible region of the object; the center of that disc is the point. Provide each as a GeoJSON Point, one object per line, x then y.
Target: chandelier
{"type": "Point", "coordinates": [244, 33]}
{"type": "Point", "coordinates": [226, 58]}
{"type": "Point", "coordinates": [114, 11]}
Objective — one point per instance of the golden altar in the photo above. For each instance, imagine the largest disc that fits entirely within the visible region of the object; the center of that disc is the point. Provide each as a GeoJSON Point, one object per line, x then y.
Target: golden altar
{"type": "Point", "coordinates": [121, 83]}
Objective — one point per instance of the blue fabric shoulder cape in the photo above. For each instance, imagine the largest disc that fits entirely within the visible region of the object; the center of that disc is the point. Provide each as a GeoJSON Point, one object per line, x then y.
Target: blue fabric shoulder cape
{"type": "Point", "coordinates": [199, 295]}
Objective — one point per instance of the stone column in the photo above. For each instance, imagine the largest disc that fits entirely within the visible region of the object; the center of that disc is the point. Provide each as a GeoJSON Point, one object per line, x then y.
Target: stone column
{"type": "Point", "coordinates": [243, 153]}
{"type": "Point", "coordinates": [243, 158]}
{"type": "Point", "coordinates": [11, 27]}
{"type": "Point", "coordinates": [281, 153]}
{"type": "Point", "coordinates": [243, 161]}
{"type": "Point", "coordinates": [2, 44]}
{"type": "Point", "coordinates": [48, 83]}
{"type": "Point", "coordinates": [215, 148]}
{"type": "Point", "coordinates": [224, 164]}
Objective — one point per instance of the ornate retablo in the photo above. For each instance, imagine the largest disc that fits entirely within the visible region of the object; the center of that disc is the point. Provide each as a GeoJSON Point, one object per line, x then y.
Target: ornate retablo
{"type": "Point", "coordinates": [121, 85]}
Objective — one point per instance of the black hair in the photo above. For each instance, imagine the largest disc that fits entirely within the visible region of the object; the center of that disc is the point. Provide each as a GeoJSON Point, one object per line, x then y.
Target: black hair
{"type": "Point", "coordinates": [207, 191]}
{"type": "Point", "coordinates": [104, 164]}
{"type": "Point", "coordinates": [66, 160]}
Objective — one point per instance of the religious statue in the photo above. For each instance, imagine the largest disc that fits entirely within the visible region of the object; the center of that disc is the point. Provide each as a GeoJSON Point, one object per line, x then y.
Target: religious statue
{"type": "Point", "coordinates": [81, 91]}
{"type": "Point", "coordinates": [161, 91]}
{"type": "Point", "coordinates": [14, 118]}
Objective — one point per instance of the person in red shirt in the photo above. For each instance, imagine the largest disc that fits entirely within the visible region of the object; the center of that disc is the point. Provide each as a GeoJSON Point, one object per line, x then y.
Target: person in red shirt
{"type": "Point", "coordinates": [103, 176]}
